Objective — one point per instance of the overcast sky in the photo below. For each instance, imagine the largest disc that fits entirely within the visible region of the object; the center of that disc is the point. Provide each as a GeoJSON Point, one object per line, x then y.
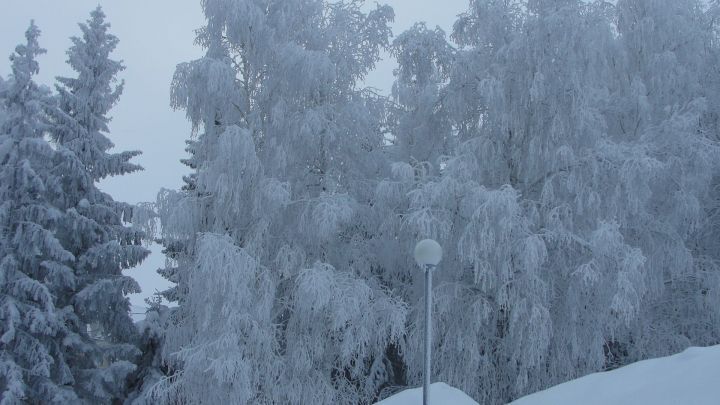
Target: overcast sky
{"type": "Point", "coordinates": [156, 35]}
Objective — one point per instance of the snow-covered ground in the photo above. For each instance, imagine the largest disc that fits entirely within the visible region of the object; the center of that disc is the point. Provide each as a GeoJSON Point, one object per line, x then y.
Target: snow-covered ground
{"type": "Point", "coordinates": [440, 394]}
{"type": "Point", "coordinates": [688, 378]}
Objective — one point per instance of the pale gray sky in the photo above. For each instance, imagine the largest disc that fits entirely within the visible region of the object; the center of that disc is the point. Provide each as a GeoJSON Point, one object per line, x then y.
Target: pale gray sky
{"type": "Point", "coordinates": [156, 35]}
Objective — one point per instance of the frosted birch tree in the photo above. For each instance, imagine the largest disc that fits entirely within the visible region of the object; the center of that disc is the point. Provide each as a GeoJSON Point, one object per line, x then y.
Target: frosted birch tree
{"type": "Point", "coordinates": [564, 153]}
{"type": "Point", "coordinates": [670, 47]}
{"type": "Point", "coordinates": [578, 200]}
{"type": "Point", "coordinates": [279, 298]}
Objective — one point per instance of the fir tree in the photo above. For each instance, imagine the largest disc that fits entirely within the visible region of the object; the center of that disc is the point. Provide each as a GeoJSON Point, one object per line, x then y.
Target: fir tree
{"type": "Point", "coordinates": [35, 266]}
{"type": "Point", "coordinates": [93, 227]}
{"type": "Point", "coordinates": [88, 98]}
{"type": "Point", "coordinates": [3, 86]}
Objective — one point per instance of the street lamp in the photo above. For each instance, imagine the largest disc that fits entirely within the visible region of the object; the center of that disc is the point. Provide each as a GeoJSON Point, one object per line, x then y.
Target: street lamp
{"type": "Point", "coordinates": [428, 254]}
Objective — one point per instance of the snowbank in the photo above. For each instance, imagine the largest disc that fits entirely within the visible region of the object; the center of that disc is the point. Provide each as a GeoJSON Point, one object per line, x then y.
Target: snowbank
{"type": "Point", "coordinates": [440, 394]}
{"type": "Point", "coordinates": [689, 378]}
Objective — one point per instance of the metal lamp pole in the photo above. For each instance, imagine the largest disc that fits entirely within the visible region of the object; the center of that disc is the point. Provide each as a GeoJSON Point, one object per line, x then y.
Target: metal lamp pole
{"type": "Point", "coordinates": [428, 254]}
{"type": "Point", "coordinates": [428, 332]}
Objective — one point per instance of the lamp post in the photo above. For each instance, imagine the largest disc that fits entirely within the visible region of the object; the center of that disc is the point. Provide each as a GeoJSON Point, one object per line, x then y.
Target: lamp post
{"type": "Point", "coordinates": [428, 254]}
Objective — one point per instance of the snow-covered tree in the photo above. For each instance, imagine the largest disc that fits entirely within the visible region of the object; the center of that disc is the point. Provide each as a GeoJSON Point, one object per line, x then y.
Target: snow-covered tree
{"type": "Point", "coordinates": [670, 47]}
{"type": "Point", "coordinates": [3, 86]}
{"type": "Point", "coordinates": [279, 296]}
{"type": "Point", "coordinates": [564, 153]}
{"type": "Point", "coordinates": [151, 368]}
{"type": "Point", "coordinates": [35, 266]}
{"type": "Point", "coordinates": [422, 130]}
{"type": "Point", "coordinates": [88, 98]}
{"type": "Point", "coordinates": [578, 203]}
{"type": "Point", "coordinates": [421, 139]}
{"type": "Point", "coordinates": [93, 228]}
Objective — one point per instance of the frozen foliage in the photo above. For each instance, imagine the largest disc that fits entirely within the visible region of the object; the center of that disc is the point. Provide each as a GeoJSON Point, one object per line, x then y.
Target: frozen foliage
{"type": "Point", "coordinates": [235, 353]}
{"type": "Point", "coordinates": [3, 115]}
{"type": "Point", "coordinates": [689, 377]}
{"type": "Point", "coordinates": [577, 204]}
{"type": "Point", "coordinates": [95, 227]}
{"type": "Point", "coordinates": [279, 300]}
{"type": "Point", "coordinates": [66, 333]}
{"type": "Point", "coordinates": [87, 99]}
{"type": "Point", "coordinates": [564, 154]}
{"type": "Point", "coordinates": [150, 368]}
{"type": "Point", "coordinates": [34, 263]}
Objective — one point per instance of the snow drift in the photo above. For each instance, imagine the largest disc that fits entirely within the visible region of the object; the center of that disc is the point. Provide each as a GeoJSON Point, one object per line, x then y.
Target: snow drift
{"type": "Point", "coordinates": [440, 394]}
{"type": "Point", "coordinates": [689, 378]}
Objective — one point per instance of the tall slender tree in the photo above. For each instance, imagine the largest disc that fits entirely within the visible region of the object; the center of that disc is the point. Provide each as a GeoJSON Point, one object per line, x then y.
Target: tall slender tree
{"type": "Point", "coordinates": [287, 156]}
{"type": "Point", "coordinates": [35, 267]}
{"type": "Point", "coordinates": [88, 98]}
{"type": "Point", "coordinates": [93, 228]}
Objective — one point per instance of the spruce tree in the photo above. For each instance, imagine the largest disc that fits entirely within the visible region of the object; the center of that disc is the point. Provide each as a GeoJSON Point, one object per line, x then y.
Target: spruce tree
{"type": "Point", "coordinates": [88, 97]}
{"type": "Point", "coordinates": [3, 85]}
{"type": "Point", "coordinates": [34, 267]}
{"type": "Point", "coordinates": [93, 228]}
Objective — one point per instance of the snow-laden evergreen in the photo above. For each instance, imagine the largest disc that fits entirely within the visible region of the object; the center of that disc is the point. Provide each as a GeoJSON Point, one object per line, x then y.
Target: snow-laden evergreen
{"type": "Point", "coordinates": [94, 228]}
{"type": "Point", "coordinates": [3, 114]}
{"type": "Point", "coordinates": [150, 366]}
{"type": "Point", "coordinates": [33, 265]}
{"type": "Point", "coordinates": [88, 97]}
{"type": "Point", "coordinates": [279, 300]}
{"type": "Point", "coordinates": [66, 333]}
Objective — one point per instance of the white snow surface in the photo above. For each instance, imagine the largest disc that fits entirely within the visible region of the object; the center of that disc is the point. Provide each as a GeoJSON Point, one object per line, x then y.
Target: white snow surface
{"type": "Point", "coordinates": [440, 394]}
{"type": "Point", "coordinates": [689, 378]}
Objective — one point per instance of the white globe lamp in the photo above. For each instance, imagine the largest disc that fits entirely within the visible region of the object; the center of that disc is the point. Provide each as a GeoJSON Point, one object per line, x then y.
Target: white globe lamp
{"type": "Point", "coordinates": [428, 254]}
